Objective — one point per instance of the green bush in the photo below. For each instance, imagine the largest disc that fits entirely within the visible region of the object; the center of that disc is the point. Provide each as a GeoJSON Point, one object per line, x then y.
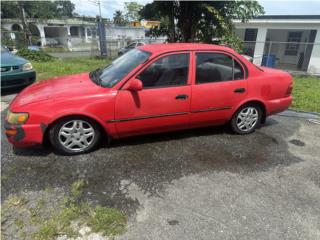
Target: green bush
{"type": "Point", "coordinates": [38, 56]}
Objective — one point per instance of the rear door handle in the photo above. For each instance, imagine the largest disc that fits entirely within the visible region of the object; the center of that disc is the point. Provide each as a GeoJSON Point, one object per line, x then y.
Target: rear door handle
{"type": "Point", "coordinates": [240, 90]}
{"type": "Point", "coordinates": [182, 96]}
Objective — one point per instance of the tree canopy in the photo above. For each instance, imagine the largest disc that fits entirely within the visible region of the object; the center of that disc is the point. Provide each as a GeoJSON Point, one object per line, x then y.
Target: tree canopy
{"type": "Point", "coordinates": [38, 9]}
{"type": "Point", "coordinates": [204, 21]}
{"type": "Point", "coordinates": [132, 11]}
{"type": "Point", "coordinates": [119, 19]}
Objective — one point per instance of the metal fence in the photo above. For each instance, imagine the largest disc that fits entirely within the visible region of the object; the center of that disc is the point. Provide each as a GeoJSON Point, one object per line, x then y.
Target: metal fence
{"type": "Point", "coordinates": [290, 56]}
{"type": "Point", "coordinates": [72, 45]}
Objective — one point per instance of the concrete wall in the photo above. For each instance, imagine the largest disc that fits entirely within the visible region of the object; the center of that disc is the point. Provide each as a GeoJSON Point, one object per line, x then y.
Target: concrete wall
{"type": "Point", "coordinates": [125, 32]}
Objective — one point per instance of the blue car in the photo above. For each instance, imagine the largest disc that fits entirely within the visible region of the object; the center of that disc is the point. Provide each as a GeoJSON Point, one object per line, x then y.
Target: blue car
{"type": "Point", "coordinates": [15, 71]}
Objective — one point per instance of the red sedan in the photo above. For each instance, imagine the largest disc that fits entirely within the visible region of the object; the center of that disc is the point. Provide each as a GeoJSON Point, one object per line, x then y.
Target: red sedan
{"type": "Point", "coordinates": [153, 88]}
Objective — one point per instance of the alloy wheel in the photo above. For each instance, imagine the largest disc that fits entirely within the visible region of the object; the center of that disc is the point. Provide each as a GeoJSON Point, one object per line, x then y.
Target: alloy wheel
{"type": "Point", "coordinates": [76, 135]}
{"type": "Point", "coordinates": [247, 119]}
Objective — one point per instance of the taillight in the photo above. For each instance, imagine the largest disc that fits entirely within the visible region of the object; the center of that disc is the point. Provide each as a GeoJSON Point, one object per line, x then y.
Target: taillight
{"type": "Point", "coordinates": [289, 90]}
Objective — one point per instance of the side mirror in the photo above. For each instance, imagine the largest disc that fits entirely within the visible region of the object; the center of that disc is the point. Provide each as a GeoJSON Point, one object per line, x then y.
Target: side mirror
{"type": "Point", "coordinates": [133, 85]}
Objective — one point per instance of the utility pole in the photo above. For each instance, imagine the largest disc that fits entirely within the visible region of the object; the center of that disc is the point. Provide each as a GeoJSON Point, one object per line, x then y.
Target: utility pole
{"type": "Point", "coordinates": [99, 3]}
{"type": "Point", "coordinates": [27, 33]}
{"type": "Point", "coordinates": [101, 29]}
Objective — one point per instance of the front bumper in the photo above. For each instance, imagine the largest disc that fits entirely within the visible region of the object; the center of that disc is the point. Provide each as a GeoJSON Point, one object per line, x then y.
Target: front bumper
{"type": "Point", "coordinates": [17, 79]}
{"type": "Point", "coordinates": [25, 135]}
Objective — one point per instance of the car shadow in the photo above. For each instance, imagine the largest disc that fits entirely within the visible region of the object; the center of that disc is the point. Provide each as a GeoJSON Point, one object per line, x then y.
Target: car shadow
{"type": "Point", "coordinates": [169, 136]}
{"type": "Point", "coordinates": [33, 151]}
{"type": "Point", "coordinates": [141, 139]}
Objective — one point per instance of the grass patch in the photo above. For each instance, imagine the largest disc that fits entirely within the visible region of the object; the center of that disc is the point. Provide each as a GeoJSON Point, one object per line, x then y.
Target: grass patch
{"type": "Point", "coordinates": [44, 219]}
{"type": "Point", "coordinates": [100, 217]}
{"type": "Point", "coordinates": [306, 94]}
{"type": "Point", "coordinates": [67, 66]}
{"type": "Point", "coordinates": [54, 49]}
{"type": "Point", "coordinates": [107, 221]}
{"type": "Point", "coordinates": [38, 56]}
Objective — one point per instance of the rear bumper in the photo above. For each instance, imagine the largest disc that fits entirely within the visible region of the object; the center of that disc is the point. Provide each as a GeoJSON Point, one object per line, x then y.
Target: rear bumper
{"type": "Point", "coordinates": [25, 135]}
{"type": "Point", "coordinates": [278, 105]}
{"type": "Point", "coordinates": [17, 79]}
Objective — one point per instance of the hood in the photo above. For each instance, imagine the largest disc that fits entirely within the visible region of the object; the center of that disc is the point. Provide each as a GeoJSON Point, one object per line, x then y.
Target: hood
{"type": "Point", "coordinates": [67, 87]}
{"type": "Point", "coordinates": [8, 59]}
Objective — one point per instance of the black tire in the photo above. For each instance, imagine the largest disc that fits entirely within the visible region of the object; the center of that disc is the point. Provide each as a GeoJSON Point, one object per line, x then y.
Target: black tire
{"type": "Point", "coordinates": [59, 147]}
{"type": "Point", "coordinates": [235, 120]}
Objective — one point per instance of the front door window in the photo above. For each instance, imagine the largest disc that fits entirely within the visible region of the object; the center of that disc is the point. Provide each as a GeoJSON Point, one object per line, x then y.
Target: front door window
{"type": "Point", "coordinates": [168, 71]}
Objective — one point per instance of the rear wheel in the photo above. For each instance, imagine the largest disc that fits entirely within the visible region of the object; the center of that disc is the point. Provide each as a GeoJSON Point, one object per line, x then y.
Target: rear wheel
{"type": "Point", "coordinates": [246, 119]}
{"type": "Point", "coordinates": [75, 135]}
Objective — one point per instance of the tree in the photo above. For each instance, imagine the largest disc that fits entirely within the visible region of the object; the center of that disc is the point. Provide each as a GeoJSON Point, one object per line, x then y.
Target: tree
{"type": "Point", "coordinates": [164, 12]}
{"type": "Point", "coordinates": [132, 11]}
{"type": "Point", "coordinates": [190, 21]}
{"type": "Point", "coordinates": [118, 18]}
{"type": "Point", "coordinates": [37, 9]}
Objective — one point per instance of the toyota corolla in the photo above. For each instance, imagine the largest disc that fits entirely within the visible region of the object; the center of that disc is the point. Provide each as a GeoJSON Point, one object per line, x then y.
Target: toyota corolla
{"type": "Point", "coordinates": [150, 89]}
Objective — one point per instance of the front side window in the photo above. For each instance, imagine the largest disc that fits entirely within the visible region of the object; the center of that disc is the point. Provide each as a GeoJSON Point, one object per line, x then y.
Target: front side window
{"type": "Point", "coordinates": [167, 71]}
{"type": "Point", "coordinates": [217, 67]}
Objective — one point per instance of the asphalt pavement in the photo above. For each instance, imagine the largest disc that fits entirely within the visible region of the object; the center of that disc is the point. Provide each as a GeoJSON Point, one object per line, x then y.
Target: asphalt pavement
{"type": "Point", "coordinates": [196, 184]}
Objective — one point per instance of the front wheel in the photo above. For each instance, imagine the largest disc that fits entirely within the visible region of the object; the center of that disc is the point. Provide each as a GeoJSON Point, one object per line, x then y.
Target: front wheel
{"type": "Point", "coordinates": [246, 119]}
{"type": "Point", "coordinates": [75, 135]}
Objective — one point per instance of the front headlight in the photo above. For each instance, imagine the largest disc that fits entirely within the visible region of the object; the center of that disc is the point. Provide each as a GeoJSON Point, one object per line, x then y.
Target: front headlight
{"type": "Point", "coordinates": [27, 66]}
{"type": "Point", "coordinates": [17, 118]}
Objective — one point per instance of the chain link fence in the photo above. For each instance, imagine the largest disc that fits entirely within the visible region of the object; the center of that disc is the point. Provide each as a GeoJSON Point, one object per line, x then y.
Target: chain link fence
{"type": "Point", "coordinates": [72, 46]}
{"type": "Point", "coordinates": [290, 56]}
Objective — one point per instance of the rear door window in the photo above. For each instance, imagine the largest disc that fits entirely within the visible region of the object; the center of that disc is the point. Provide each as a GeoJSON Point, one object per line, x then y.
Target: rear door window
{"type": "Point", "coordinates": [217, 67]}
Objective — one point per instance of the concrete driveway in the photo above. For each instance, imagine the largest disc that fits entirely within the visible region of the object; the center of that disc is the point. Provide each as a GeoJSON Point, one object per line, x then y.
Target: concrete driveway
{"type": "Point", "coordinates": [196, 184]}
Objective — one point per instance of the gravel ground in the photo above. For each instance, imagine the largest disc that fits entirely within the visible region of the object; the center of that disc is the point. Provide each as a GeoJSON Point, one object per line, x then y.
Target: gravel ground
{"type": "Point", "coordinates": [195, 184]}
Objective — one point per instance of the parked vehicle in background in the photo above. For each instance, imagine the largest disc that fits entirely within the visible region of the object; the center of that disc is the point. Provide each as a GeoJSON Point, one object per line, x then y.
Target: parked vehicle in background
{"type": "Point", "coordinates": [15, 71]}
{"type": "Point", "coordinates": [152, 88]}
{"type": "Point", "coordinates": [129, 47]}
{"type": "Point", "coordinates": [34, 48]}
{"type": "Point", "coordinates": [12, 50]}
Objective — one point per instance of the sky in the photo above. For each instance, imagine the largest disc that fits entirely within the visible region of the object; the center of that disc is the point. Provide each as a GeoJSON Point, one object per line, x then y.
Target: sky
{"type": "Point", "coordinates": [271, 7]}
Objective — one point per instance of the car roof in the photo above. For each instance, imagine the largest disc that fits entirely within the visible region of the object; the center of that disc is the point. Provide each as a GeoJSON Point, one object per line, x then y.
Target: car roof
{"type": "Point", "coordinates": [170, 47]}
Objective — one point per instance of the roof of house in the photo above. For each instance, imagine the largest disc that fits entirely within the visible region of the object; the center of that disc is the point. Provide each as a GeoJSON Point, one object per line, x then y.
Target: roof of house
{"type": "Point", "coordinates": [282, 19]}
{"type": "Point", "coordinates": [288, 17]}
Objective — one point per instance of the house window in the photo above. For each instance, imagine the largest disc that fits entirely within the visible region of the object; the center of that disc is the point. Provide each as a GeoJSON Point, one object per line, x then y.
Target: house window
{"type": "Point", "coordinates": [88, 32]}
{"type": "Point", "coordinates": [250, 35]}
{"type": "Point", "coordinates": [74, 31]}
{"type": "Point", "coordinates": [293, 44]}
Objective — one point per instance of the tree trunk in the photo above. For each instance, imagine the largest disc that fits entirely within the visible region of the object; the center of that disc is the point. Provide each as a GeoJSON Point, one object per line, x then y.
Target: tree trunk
{"type": "Point", "coordinates": [173, 30]}
{"type": "Point", "coordinates": [187, 21]}
{"type": "Point", "coordinates": [27, 34]}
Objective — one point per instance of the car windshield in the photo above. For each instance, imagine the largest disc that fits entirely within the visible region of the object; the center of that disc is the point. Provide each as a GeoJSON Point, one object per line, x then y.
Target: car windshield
{"type": "Point", "coordinates": [120, 67]}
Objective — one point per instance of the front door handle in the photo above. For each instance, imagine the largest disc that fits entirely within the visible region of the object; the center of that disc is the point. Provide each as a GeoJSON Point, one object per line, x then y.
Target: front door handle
{"type": "Point", "coordinates": [182, 96]}
{"type": "Point", "coordinates": [240, 90]}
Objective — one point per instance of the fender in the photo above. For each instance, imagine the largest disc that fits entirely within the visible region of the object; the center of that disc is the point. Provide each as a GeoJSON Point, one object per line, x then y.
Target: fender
{"type": "Point", "coordinates": [108, 127]}
{"type": "Point", "coordinates": [260, 100]}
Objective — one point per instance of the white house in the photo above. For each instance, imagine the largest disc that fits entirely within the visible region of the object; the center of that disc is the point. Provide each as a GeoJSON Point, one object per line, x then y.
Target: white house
{"type": "Point", "coordinates": [71, 33]}
{"type": "Point", "coordinates": [292, 40]}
